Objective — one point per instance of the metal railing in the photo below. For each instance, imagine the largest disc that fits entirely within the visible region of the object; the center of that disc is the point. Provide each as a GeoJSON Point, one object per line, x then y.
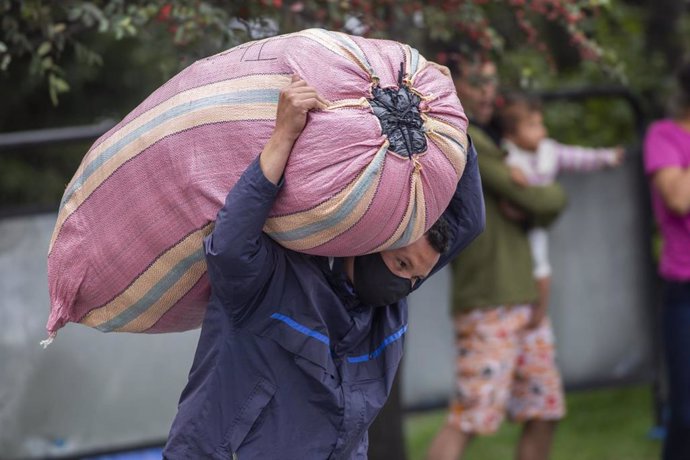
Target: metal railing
{"type": "Point", "coordinates": [53, 136]}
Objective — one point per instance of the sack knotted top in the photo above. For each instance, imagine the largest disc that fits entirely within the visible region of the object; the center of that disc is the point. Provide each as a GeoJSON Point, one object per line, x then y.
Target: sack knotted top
{"type": "Point", "coordinates": [400, 116]}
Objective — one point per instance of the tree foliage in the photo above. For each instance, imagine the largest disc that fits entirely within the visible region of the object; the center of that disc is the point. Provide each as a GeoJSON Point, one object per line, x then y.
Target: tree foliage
{"type": "Point", "coordinates": [47, 31]}
{"type": "Point", "coordinates": [101, 58]}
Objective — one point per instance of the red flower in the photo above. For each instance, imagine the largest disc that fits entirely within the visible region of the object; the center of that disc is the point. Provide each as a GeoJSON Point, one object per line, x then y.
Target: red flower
{"type": "Point", "coordinates": [164, 12]}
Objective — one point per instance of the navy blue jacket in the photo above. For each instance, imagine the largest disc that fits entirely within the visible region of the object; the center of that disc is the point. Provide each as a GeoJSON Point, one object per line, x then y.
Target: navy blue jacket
{"type": "Point", "coordinates": [290, 364]}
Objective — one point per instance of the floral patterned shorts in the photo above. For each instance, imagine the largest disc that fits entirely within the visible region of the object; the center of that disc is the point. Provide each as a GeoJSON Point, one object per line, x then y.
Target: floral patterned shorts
{"type": "Point", "coordinates": [501, 368]}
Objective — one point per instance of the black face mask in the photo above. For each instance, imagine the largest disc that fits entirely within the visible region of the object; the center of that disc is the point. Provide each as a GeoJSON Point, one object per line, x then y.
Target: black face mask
{"type": "Point", "coordinates": [375, 284]}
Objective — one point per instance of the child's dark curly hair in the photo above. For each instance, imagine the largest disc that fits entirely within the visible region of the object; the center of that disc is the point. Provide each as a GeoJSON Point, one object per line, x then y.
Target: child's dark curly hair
{"type": "Point", "coordinates": [514, 105]}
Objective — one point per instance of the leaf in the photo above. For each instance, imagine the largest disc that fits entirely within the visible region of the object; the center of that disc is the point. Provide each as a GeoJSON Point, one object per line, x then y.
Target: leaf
{"type": "Point", "coordinates": [179, 35]}
{"type": "Point", "coordinates": [96, 13]}
{"type": "Point", "coordinates": [3, 47]}
{"type": "Point", "coordinates": [44, 48]}
{"type": "Point", "coordinates": [59, 28]}
{"type": "Point", "coordinates": [600, 3]}
{"type": "Point", "coordinates": [53, 96]}
{"type": "Point", "coordinates": [61, 85]}
{"type": "Point", "coordinates": [5, 63]}
{"type": "Point", "coordinates": [87, 55]}
{"type": "Point", "coordinates": [125, 27]}
{"type": "Point", "coordinates": [56, 85]}
{"type": "Point", "coordinates": [46, 63]}
{"type": "Point", "coordinates": [74, 13]}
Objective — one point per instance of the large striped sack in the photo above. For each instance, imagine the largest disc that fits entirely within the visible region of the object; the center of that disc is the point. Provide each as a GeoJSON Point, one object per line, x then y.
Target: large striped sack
{"type": "Point", "coordinates": [372, 171]}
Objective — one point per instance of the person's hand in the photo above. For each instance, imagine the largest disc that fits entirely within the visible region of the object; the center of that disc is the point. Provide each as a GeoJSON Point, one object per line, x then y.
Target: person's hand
{"type": "Point", "coordinates": [511, 211]}
{"type": "Point", "coordinates": [537, 315]}
{"type": "Point", "coordinates": [296, 100]}
{"type": "Point", "coordinates": [619, 156]}
{"type": "Point", "coordinates": [518, 176]}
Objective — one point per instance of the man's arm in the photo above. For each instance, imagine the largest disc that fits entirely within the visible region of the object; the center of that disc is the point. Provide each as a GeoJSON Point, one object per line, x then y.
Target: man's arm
{"type": "Point", "coordinates": [541, 203]}
{"type": "Point", "coordinates": [667, 168]}
{"type": "Point", "coordinates": [673, 184]}
{"type": "Point", "coordinates": [239, 256]}
{"type": "Point", "coordinates": [295, 102]}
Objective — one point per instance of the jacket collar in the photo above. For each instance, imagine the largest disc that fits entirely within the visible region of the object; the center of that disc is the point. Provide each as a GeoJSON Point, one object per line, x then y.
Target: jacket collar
{"type": "Point", "coordinates": [333, 269]}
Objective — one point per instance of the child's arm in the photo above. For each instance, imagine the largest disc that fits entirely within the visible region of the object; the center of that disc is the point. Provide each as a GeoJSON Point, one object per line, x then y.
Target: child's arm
{"type": "Point", "coordinates": [576, 158]}
{"type": "Point", "coordinates": [518, 176]}
{"type": "Point", "coordinates": [542, 204]}
{"type": "Point", "coordinates": [540, 309]}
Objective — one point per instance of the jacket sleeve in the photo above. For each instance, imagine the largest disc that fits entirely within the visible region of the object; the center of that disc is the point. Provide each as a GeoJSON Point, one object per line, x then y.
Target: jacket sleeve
{"type": "Point", "coordinates": [542, 203]}
{"type": "Point", "coordinates": [465, 214]}
{"type": "Point", "coordinates": [239, 255]}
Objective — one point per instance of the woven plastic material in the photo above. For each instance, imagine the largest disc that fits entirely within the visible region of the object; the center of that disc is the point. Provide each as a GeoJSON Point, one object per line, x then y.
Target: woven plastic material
{"type": "Point", "coordinates": [126, 253]}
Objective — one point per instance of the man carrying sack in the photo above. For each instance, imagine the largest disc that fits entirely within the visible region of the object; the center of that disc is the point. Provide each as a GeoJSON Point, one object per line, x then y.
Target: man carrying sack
{"type": "Point", "coordinates": [297, 353]}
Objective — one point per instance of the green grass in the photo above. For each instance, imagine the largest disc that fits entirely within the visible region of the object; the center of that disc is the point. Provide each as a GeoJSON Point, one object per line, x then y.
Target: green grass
{"type": "Point", "coordinates": [611, 424]}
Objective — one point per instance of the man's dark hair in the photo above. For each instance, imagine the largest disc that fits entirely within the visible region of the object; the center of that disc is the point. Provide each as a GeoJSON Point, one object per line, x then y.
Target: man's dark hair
{"type": "Point", "coordinates": [513, 107]}
{"type": "Point", "coordinates": [457, 55]}
{"type": "Point", "coordinates": [439, 235]}
{"type": "Point", "coordinates": [456, 62]}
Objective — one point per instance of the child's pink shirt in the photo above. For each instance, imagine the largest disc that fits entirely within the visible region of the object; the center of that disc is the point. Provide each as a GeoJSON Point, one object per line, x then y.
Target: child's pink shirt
{"type": "Point", "coordinates": [552, 157]}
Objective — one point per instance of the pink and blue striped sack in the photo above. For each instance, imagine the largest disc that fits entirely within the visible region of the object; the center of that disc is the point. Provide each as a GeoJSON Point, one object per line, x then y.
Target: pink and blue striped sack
{"type": "Point", "coordinates": [126, 253]}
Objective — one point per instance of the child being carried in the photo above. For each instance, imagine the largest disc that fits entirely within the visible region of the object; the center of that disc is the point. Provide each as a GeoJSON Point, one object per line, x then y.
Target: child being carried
{"type": "Point", "coordinates": [535, 159]}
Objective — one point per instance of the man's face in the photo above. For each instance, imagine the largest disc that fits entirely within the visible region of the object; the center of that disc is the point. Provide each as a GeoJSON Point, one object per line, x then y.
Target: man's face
{"type": "Point", "coordinates": [476, 86]}
{"type": "Point", "coordinates": [414, 261]}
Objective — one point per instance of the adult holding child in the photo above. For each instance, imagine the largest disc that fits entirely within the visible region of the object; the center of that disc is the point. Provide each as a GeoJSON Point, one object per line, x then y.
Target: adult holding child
{"type": "Point", "coordinates": [298, 353]}
{"type": "Point", "coordinates": [536, 159]}
{"type": "Point", "coordinates": [505, 350]}
{"type": "Point", "coordinates": [667, 163]}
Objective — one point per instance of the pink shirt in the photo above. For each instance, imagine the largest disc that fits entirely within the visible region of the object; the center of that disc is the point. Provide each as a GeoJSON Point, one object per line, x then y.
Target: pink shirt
{"type": "Point", "coordinates": [668, 145]}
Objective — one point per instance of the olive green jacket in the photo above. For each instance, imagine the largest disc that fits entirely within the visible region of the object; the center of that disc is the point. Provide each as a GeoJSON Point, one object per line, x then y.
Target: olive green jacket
{"type": "Point", "coordinates": [496, 268]}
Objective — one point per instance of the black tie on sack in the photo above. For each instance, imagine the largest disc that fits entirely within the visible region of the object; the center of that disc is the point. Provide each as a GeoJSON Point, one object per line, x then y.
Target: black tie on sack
{"type": "Point", "coordinates": [400, 117]}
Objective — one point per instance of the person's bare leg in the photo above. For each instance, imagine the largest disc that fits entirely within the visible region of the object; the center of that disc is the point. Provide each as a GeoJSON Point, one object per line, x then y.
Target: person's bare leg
{"type": "Point", "coordinates": [449, 444]}
{"type": "Point", "coordinates": [536, 439]}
